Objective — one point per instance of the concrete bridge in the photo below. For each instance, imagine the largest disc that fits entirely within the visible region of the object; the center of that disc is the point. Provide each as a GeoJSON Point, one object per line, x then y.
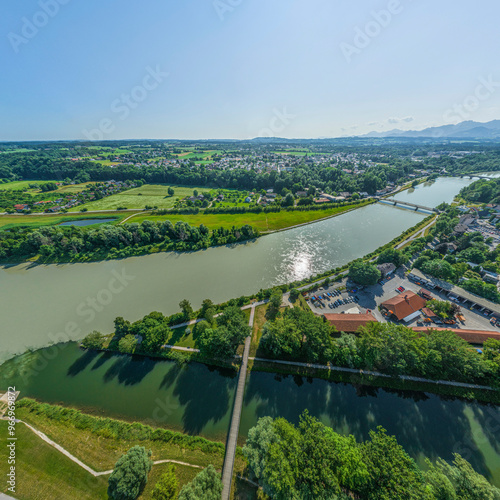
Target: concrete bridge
{"type": "Point", "coordinates": [473, 176]}
{"type": "Point", "coordinates": [409, 205]}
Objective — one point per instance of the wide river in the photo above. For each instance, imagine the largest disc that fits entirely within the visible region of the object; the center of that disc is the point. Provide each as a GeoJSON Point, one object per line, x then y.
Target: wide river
{"type": "Point", "coordinates": [45, 304]}
{"type": "Point", "coordinates": [41, 305]}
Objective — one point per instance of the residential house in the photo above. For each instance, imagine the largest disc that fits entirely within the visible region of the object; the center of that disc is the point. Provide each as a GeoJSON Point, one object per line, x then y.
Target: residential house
{"type": "Point", "coordinates": [386, 269]}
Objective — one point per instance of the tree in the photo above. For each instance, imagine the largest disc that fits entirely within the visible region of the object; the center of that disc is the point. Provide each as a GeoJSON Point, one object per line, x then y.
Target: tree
{"type": "Point", "coordinates": [166, 487]}
{"type": "Point", "coordinates": [207, 485]}
{"type": "Point", "coordinates": [205, 306]}
{"type": "Point", "coordinates": [260, 437]}
{"type": "Point", "coordinates": [294, 294]}
{"type": "Point", "coordinates": [195, 192]}
{"type": "Point", "coordinates": [289, 200]}
{"type": "Point", "coordinates": [156, 337]}
{"type": "Point", "coordinates": [392, 255]}
{"type": "Point", "coordinates": [94, 340]}
{"type": "Point", "coordinates": [468, 484]}
{"type": "Point", "coordinates": [274, 304]}
{"type": "Point", "coordinates": [364, 273]}
{"type": "Point", "coordinates": [171, 191]}
{"type": "Point", "coordinates": [127, 344]}
{"type": "Point", "coordinates": [122, 327]}
{"type": "Point", "coordinates": [217, 343]}
{"type": "Point", "coordinates": [186, 308]}
{"type": "Point", "coordinates": [392, 474]}
{"type": "Point", "coordinates": [130, 474]}
{"type": "Point", "coordinates": [443, 308]}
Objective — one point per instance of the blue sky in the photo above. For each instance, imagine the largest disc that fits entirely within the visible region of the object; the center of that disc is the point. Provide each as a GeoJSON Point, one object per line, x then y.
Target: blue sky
{"type": "Point", "coordinates": [243, 68]}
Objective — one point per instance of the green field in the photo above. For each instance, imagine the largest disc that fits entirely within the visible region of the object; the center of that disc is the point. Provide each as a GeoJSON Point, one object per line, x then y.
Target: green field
{"type": "Point", "coordinates": [154, 195]}
{"type": "Point", "coordinates": [18, 150]}
{"type": "Point", "coordinates": [263, 222]}
{"type": "Point", "coordinates": [106, 163]}
{"type": "Point", "coordinates": [9, 221]}
{"type": "Point", "coordinates": [73, 188]}
{"type": "Point", "coordinates": [44, 473]}
{"type": "Point", "coordinates": [19, 185]}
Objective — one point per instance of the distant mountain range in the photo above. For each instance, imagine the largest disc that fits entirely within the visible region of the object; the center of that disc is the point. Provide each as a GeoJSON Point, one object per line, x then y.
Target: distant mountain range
{"type": "Point", "coordinates": [464, 130]}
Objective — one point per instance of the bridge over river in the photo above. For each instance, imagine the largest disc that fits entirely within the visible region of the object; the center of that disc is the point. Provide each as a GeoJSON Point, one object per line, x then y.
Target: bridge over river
{"type": "Point", "coordinates": [407, 204]}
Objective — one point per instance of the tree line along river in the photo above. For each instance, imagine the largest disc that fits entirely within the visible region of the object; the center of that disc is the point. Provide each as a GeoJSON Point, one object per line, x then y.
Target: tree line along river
{"type": "Point", "coordinates": [42, 305]}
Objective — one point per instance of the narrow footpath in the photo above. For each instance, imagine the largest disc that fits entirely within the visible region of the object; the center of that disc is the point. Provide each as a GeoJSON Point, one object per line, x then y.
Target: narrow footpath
{"type": "Point", "coordinates": [65, 452]}
{"type": "Point", "coordinates": [227, 470]}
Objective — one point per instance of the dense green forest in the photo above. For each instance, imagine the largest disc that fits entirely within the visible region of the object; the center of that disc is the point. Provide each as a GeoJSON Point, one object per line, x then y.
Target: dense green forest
{"type": "Point", "coordinates": [313, 462]}
{"type": "Point", "coordinates": [73, 243]}
{"type": "Point", "coordinates": [482, 191]}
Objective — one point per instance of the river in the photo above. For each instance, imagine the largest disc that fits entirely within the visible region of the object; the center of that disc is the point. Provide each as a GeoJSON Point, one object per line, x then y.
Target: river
{"type": "Point", "coordinates": [40, 305]}
{"type": "Point", "coordinates": [44, 304]}
{"type": "Point", "coordinates": [432, 194]}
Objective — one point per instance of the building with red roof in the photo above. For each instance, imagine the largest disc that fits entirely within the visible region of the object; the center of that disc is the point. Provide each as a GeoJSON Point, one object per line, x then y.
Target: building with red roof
{"type": "Point", "coordinates": [349, 323]}
{"type": "Point", "coordinates": [405, 306]}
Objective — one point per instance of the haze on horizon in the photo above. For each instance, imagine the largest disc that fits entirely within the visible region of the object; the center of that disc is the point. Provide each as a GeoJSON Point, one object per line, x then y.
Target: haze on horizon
{"type": "Point", "coordinates": [238, 69]}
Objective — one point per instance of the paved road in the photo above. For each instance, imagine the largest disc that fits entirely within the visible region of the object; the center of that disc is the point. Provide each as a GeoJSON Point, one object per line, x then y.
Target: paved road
{"type": "Point", "coordinates": [418, 234]}
{"type": "Point", "coordinates": [227, 470]}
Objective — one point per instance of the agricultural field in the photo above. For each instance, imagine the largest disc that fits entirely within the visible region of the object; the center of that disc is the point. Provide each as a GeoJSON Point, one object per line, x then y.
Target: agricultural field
{"type": "Point", "coordinates": [20, 185]}
{"type": "Point", "coordinates": [264, 222]}
{"type": "Point", "coordinates": [73, 188]}
{"type": "Point", "coordinates": [106, 163]}
{"type": "Point", "coordinates": [108, 151]}
{"type": "Point", "coordinates": [188, 154]}
{"type": "Point", "coordinates": [154, 195]}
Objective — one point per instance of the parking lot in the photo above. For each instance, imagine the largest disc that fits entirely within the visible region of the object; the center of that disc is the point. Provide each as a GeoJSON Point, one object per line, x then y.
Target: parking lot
{"type": "Point", "coordinates": [369, 298]}
{"type": "Point", "coordinates": [337, 292]}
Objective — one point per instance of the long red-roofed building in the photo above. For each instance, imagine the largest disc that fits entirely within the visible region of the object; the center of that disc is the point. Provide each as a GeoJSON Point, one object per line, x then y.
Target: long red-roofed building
{"type": "Point", "coordinates": [471, 336]}
{"type": "Point", "coordinates": [349, 323]}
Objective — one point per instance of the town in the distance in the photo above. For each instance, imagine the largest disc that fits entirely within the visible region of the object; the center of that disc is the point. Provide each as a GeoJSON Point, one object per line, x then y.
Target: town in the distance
{"type": "Point", "coordinates": [254, 319]}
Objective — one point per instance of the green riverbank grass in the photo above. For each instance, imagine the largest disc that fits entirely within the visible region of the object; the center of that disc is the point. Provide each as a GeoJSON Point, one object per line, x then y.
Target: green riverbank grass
{"type": "Point", "coordinates": [44, 473]}
{"type": "Point", "coordinates": [99, 443]}
{"type": "Point", "coordinates": [264, 222]}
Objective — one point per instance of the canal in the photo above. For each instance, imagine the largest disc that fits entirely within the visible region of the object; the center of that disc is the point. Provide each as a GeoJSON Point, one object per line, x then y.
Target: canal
{"type": "Point", "coordinates": [197, 399]}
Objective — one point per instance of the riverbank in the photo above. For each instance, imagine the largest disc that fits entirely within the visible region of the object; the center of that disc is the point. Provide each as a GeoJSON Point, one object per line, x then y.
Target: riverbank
{"type": "Point", "coordinates": [95, 444]}
{"type": "Point", "coordinates": [225, 229]}
{"type": "Point", "coordinates": [264, 222]}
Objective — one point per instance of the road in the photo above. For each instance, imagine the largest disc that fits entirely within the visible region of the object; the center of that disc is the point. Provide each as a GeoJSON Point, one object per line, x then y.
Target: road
{"type": "Point", "coordinates": [227, 470]}
{"type": "Point", "coordinates": [418, 234]}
